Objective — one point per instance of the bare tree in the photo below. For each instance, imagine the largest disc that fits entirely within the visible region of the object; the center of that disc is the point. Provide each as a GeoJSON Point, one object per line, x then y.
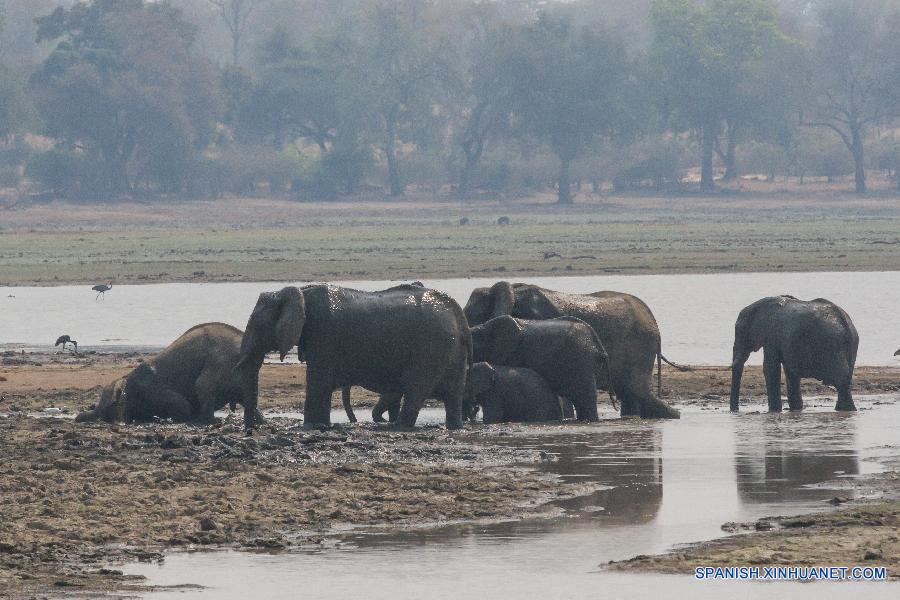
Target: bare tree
{"type": "Point", "coordinates": [858, 71]}
{"type": "Point", "coordinates": [236, 15]}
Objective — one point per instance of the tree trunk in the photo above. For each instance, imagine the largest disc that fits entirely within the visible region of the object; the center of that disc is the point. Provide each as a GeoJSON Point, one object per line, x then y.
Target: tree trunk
{"type": "Point", "coordinates": [235, 49]}
{"type": "Point", "coordinates": [859, 160]}
{"type": "Point", "coordinates": [565, 194]}
{"type": "Point", "coordinates": [707, 182]}
{"type": "Point", "coordinates": [473, 151]}
{"type": "Point", "coordinates": [728, 156]}
{"type": "Point", "coordinates": [394, 180]}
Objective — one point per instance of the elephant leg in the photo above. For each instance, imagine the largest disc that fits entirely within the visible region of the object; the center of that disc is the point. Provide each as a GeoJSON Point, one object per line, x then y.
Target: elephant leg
{"type": "Point", "coordinates": [585, 401]}
{"type": "Point", "coordinates": [568, 411]}
{"type": "Point", "coordinates": [772, 374]}
{"type": "Point", "coordinates": [317, 405]}
{"type": "Point", "coordinates": [845, 399]}
{"type": "Point", "coordinates": [795, 400]}
{"type": "Point", "coordinates": [409, 411]}
{"type": "Point", "coordinates": [393, 402]}
{"type": "Point", "coordinates": [348, 408]}
{"type": "Point", "coordinates": [169, 404]}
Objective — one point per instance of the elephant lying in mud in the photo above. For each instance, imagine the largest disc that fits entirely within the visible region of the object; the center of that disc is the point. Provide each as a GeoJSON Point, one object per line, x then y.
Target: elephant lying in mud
{"type": "Point", "coordinates": [188, 381]}
{"type": "Point", "coordinates": [810, 339]}
{"type": "Point", "coordinates": [407, 340]}
{"type": "Point", "coordinates": [564, 351]}
{"type": "Point", "coordinates": [624, 324]}
{"type": "Point", "coordinates": [512, 394]}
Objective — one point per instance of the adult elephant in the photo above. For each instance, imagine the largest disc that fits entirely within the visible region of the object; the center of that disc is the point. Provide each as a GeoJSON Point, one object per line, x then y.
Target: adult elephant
{"type": "Point", "coordinates": [625, 325]}
{"type": "Point", "coordinates": [810, 339]}
{"type": "Point", "coordinates": [565, 351]}
{"type": "Point", "coordinates": [188, 381]}
{"type": "Point", "coordinates": [406, 340]}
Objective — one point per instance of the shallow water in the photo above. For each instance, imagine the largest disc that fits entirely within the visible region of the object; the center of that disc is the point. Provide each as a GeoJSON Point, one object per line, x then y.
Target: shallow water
{"type": "Point", "coordinates": [696, 313]}
{"type": "Point", "coordinates": [664, 483]}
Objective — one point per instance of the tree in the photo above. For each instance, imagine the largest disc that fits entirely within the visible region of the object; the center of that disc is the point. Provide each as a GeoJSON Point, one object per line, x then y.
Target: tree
{"type": "Point", "coordinates": [857, 73]}
{"type": "Point", "coordinates": [236, 15]}
{"type": "Point", "coordinates": [397, 65]}
{"type": "Point", "coordinates": [570, 86]}
{"type": "Point", "coordinates": [706, 62]}
{"type": "Point", "coordinates": [122, 86]}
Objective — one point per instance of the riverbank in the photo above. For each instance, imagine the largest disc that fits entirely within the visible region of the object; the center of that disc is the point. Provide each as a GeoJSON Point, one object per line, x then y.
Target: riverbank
{"type": "Point", "coordinates": [34, 382]}
{"type": "Point", "coordinates": [76, 498]}
{"type": "Point", "coordinates": [802, 228]}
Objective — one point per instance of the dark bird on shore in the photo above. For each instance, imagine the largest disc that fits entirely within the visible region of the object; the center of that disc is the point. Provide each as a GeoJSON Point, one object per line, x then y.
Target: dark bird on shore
{"type": "Point", "coordinates": [64, 339]}
{"type": "Point", "coordinates": [101, 289]}
{"type": "Point", "coordinates": [897, 353]}
{"type": "Point", "coordinates": [504, 220]}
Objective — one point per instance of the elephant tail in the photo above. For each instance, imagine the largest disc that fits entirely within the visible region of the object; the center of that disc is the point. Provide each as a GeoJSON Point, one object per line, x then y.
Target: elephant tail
{"type": "Point", "coordinates": [659, 361]}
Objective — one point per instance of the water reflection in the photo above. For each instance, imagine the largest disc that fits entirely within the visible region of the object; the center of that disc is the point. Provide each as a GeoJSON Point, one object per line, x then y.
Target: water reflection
{"type": "Point", "coordinates": [781, 458]}
{"type": "Point", "coordinates": [715, 467]}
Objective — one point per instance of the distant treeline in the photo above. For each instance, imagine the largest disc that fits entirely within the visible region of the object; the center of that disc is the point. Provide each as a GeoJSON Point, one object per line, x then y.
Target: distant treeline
{"type": "Point", "coordinates": [322, 99]}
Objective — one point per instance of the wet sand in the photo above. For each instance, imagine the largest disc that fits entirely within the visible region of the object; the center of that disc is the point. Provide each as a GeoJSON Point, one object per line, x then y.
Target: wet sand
{"type": "Point", "coordinates": [75, 498]}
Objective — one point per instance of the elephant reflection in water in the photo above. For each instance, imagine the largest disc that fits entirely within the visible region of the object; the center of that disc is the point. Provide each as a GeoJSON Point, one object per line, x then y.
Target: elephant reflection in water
{"type": "Point", "coordinates": [778, 459]}
{"type": "Point", "coordinates": [629, 459]}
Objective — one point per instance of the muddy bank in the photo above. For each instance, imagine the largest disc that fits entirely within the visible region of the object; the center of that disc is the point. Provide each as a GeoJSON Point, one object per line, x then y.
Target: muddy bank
{"type": "Point", "coordinates": [860, 536]}
{"type": "Point", "coordinates": [33, 382]}
{"type": "Point", "coordinates": [75, 498]}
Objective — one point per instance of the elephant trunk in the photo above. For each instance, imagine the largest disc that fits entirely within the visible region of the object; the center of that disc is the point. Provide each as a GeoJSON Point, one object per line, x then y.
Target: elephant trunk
{"type": "Point", "coordinates": [248, 367]}
{"type": "Point", "coordinates": [737, 371]}
{"type": "Point", "coordinates": [87, 416]}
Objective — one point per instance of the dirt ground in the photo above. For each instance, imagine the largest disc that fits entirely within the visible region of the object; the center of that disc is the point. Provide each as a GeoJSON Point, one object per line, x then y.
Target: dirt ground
{"type": "Point", "coordinates": [797, 228]}
{"type": "Point", "coordinates": [73, 499]}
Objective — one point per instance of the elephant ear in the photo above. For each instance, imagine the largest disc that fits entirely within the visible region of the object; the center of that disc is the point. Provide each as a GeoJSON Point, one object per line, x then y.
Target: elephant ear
{"type": "Point", "coordinates": [291, 318]}
{"type": "Point", "coordinates": [505, 332]}
{"type": "Point", "coordinates": [503, 299]}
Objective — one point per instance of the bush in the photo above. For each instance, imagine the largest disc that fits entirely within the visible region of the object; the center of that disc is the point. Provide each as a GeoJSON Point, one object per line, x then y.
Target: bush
{"type": "Point", "coordinates": [770, 160]}
{"type": "Point", "coordinates": [819, 153]}
{"type": "Point", "coordinates": [654, 163]}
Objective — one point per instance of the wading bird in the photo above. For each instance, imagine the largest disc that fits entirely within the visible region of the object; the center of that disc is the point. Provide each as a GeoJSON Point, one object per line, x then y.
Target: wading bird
{"type": "Point", "coordinates": [64, 339]}
{"type": "Point", "coordinates": [101, 289]}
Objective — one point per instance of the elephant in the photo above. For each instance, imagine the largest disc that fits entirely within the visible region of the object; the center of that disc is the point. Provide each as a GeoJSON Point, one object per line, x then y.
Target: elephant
{"type": "Point", "coordinates": [512, 394]}
{"type": "Point", "coordinates": [624, 324]}
{"type": "Point", "coordinates": [188, 381]}
{"type": "Point", "coordinates": [407, 340]}
{"type": "Point", "coordinates": [810, 339]}
{"type": "Point", "coordinates": [565, 351]}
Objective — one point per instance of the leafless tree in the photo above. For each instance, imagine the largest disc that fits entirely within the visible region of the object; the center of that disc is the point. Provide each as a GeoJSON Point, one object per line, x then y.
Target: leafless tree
{"type": "Point", "coordinates": [236, 15]}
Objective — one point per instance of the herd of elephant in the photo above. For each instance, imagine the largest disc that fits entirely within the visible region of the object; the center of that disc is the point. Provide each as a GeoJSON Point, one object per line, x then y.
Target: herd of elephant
{"type": "Point", "coordinates": [517, 352]}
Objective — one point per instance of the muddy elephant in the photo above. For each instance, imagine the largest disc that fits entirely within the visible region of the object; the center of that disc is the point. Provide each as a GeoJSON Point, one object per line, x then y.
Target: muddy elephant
{"type": "Point", "coordinates": [407, 340]}
{"type": "Point", "coordinates": [188, 381]}
{"type": "Point", "coordinates": [512, 394]}
{"type": "Point", "coordinates": [625, 325]}
{"type": "Point", "coordinates": [810, 339]}
{"type": "Point", "coordinates": [565, 351]}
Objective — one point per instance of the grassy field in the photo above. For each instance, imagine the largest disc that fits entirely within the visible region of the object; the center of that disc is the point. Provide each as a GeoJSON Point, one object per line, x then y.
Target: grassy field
{"type": "Point", "coordinates": [257, 239]}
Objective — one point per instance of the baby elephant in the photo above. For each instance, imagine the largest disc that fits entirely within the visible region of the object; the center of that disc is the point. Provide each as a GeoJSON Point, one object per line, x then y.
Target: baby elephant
{"type": "Point", "coordinates": [512, 394]}
{"type": "Point", "coordinates": [565, 351]}
{"type": "Point", "coordinates": [188, 381]}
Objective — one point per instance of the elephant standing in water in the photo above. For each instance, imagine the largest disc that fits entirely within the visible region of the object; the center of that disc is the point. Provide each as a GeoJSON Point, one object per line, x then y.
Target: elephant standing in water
{"type": "Point", "coordinates": [811, 339]}
{"type": "Point", "coordinates": [188, 381]}
{"type": "Point", "coordinates": [624, 324]}
{"type": "Point", "coordinates": [566, 352]}
{"type": "Point", "coordinates": [407, 340]}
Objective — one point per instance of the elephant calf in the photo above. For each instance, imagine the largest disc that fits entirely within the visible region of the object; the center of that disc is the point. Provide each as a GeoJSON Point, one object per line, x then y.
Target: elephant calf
{"type": "Point", "coordinates": [810, 339]}
{"type": "Point", "coordinates": [188, 381]}
{"type": "Point", "coordinates": [565, 351]}
{"type": "Point", "coordinates": [512, 394]}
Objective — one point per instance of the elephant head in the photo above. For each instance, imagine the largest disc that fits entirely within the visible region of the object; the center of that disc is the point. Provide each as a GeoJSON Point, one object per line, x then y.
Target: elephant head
{"type": "Point", "coordinates": [276, 323]}
{"type": "Point", "coordinates": [486, 303]}
{"type": "Point", "coordinates": [111, 407]}
{"type": "Point", "coordinates": [482, 378]}
{"type": "Point", "coordinates": [750, 331]}
{"type": "Point", "coordinates": [495, 340]}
